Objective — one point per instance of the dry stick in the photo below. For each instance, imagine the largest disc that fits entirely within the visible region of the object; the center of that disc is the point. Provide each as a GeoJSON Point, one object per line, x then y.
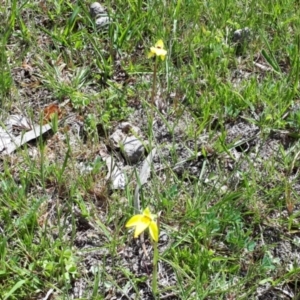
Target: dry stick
{"type": "Point", "coordinates": [288, 200]}
{"type": "Point", "coordinates": [48, 295]}
{"type": "Point", "coordinates": [137, 207]}
{"type": "Point", "coordinates": [141, 180]}
{"type": "Point", "coordinates": [154, 82]}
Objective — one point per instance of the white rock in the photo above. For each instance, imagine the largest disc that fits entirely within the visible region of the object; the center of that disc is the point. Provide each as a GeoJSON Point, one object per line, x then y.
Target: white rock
{"type": "Point", "coordinates": [96, 9]}
{"type": "Point", "coordinates": [127, 127]}
{"type": "Point", "coordinates": [116, 138]}
{"type": "Point", "coordinates": [123, 129]}
{"type": "Point", "coordinates": [115, 174]}
{"type": "Point", "coordinates": [102, 21]}
{"type": "Point", "coordinates": [241, 35]}
{"type": "Point", "coordinates": [133, 149]}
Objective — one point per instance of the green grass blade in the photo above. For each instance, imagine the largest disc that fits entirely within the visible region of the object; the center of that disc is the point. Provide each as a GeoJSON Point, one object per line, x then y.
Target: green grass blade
{"type": "Point", "coordinates": [14, 289]}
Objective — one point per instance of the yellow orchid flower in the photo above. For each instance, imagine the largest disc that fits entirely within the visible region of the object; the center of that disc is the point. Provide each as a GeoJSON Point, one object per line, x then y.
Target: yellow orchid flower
{"type": "Point", "coordinates": [142, 222]}
{"type": "Point", "coordinates": [158, 50]}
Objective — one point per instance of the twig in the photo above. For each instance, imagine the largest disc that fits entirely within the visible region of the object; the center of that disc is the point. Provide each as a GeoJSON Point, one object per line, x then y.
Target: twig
{"type": "Point", "coordinates": [48, 294]}
{"type": "Point", "coordinates": [141, 180]}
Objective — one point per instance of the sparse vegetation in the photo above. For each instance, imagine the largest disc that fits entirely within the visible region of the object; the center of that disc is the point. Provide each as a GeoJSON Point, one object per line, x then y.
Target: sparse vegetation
{"type": "Point", "coordinates": [225, 121]}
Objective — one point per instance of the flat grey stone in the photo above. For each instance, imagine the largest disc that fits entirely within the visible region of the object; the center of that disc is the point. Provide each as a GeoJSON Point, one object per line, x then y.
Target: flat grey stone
{"type": "Point", "coordinates": [132, 149]}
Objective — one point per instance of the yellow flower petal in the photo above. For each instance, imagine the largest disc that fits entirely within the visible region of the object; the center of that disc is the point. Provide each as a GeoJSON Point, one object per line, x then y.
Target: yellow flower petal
{"type": "Point", "coordinates": [142, 222]}
{"type": "Point", "coordinates": [134, 221]}
{"type": "Point", "coordinates": [150, 54]}
{"type": "Point", "coordinates": [161, 52]}
{"type": "Point", "coordinates": [159, 44]}
{"type": "Point", "coordinates": [141, 226]}
{"type": "Point", "coordinates": [147, 213]}
{"type": "Point", "coordinates": [158, 52]}
{"type": "Point", "coordinates": [153, 230]}
{"type": "Point", "coordinates": [153, 50]}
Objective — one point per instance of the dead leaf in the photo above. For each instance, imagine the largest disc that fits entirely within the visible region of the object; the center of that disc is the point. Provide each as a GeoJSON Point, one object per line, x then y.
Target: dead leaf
{"type": "Point", "coordinates": [5, 138]}
{"type": "Point", "coordinates": [31, 85]}
{"type": "Point", "coordinates": [10, 144]}
{"type": "Point", "coordinates": [18, 122]}
{"type": "Point", "coordinates": [142, 178]}
{"type": "Point", "coordinates": [50, 111]}
{"type": "Point", "coordinates": [115, 174]}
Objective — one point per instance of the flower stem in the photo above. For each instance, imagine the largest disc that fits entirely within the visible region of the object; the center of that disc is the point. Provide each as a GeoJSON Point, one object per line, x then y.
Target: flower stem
{"type": "Point", "coordinates": [154, 82]}
{"type": "Point", "coordinates": [154, 274]}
